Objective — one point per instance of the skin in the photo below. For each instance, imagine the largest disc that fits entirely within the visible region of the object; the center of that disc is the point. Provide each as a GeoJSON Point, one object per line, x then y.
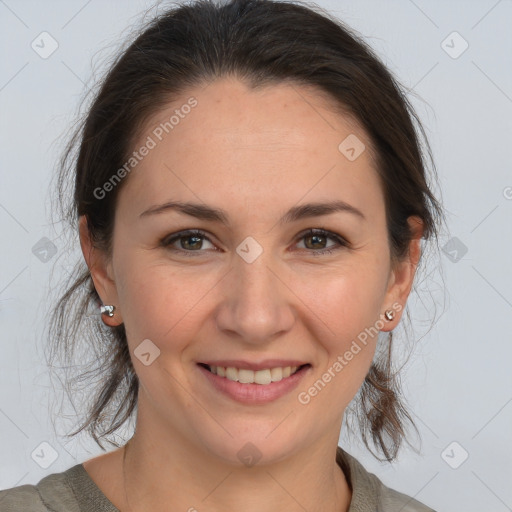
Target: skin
{"type": "Point", "coordinates": [254, 154]}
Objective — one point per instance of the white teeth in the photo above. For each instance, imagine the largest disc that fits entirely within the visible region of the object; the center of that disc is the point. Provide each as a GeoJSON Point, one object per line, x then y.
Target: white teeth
{"type": "Point", "coordinates": [245, 376]}
{"type": "Point", "coordinates": [276, 374]}
{"type": "Point", "coordinates": [231, 374]}
{"type": "Point", "coordinates": [263, 377]}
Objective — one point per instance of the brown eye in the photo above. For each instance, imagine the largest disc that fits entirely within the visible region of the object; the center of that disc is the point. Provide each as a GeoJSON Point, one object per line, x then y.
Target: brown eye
{"type": "Point", "coordinates": [189, 241]}
{"type": "Point", "coordinates": [316, 240]}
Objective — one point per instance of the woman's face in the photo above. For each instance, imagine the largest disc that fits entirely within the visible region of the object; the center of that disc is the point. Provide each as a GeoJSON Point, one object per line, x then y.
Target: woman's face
{"type": "Point", "coordinates": [256, 286]}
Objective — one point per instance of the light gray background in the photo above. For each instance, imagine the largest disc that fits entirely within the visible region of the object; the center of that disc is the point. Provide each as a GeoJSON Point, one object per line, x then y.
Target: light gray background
{"type": "Point", "coordinates": [458, 382]}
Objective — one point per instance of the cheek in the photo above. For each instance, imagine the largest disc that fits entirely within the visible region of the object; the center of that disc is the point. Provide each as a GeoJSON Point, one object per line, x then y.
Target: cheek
{"type": "Point", "coordinates": [347, 302]}
{"type": "Point", "coordinates": [159, 302]}
{"type": "Point", "coordinates": [349, 308]}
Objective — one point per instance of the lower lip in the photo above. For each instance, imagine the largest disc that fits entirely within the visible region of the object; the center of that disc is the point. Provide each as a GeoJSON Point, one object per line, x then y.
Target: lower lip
{"type": "Point", "coordinates": [255, 393]}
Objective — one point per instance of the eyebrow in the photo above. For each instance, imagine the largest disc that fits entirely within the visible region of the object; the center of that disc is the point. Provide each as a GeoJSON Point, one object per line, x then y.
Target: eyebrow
{"type": "Point", "coordinates": [303, 211]}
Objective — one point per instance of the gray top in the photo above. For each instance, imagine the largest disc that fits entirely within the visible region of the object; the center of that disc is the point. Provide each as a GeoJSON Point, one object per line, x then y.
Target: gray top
{"type": "Point", "coordinates": [74, 491]}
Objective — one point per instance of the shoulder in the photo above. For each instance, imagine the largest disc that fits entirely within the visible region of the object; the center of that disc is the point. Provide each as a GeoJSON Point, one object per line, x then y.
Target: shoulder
{"type": "Point", "coordinates": [370, 494]}
{"type": "Point", "coordinates": [391, 499]}
{"type": "Point", "coordinates": [52, 493]}
{"type": "Point", "coordinates": [24, 497]}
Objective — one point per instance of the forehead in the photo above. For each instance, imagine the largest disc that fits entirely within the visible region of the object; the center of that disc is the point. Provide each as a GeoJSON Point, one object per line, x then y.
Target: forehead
{"type": "Point", "coordinates": [227, 142]}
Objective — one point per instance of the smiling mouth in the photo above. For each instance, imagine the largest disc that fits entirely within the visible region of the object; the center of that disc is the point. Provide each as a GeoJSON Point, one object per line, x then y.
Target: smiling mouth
{"type": "Point", "coordinates": [263, 377]}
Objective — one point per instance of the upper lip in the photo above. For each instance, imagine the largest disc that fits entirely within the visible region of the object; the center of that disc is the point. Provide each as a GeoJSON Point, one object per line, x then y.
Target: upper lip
{"type": "Point", "coordinates": [247, 365]}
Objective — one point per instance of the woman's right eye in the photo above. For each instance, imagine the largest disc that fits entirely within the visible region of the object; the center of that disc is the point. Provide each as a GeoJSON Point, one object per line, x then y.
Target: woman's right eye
{"type": "Point", "coordinates": [190, 241]}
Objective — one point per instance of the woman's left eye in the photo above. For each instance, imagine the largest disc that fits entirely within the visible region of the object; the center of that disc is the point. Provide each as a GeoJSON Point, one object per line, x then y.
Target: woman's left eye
{"type": "Point", "coordinates": [192, 241]}
{"type": "Point", "coordinates": [319, 236]}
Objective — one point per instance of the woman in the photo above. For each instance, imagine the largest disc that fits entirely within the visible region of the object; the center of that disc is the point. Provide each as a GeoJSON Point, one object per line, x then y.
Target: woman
{"type": "Point", "coordinates": [250, 197]}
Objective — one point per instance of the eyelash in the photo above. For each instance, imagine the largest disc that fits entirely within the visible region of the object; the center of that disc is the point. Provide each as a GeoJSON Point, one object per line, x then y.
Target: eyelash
{"type": "Point", "coordinates": [167, 241]}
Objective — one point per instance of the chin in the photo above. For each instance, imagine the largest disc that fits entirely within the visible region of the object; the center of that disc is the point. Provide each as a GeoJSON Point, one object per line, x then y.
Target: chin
{"type": "Point", "coordinates": [251, 446]}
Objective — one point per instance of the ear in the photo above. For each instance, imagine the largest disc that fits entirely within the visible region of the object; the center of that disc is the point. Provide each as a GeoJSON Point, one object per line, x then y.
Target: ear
{"type": "Point", "coordinates": [402, 276]}
{"type": "Point", "coordinates": [100, 268]}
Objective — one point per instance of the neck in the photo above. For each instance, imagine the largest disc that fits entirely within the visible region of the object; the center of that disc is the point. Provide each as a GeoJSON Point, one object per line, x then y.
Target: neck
{"type": "Point", "coordinates": [178, 476]}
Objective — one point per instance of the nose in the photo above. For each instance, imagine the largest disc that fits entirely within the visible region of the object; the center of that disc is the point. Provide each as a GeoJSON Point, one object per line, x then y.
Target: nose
{"type": "Point", "coordinates": [257, 303]}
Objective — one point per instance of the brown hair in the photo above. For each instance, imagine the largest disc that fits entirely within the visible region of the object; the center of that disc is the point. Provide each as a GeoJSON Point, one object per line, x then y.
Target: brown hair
{"type": "Point", "coordinates": [260, 42]}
